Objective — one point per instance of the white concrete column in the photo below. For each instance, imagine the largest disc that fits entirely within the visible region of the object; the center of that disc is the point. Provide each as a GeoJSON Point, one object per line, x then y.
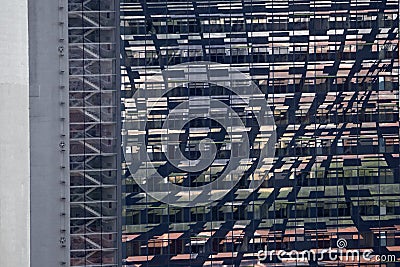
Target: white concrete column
{"type": "Point", "coordinates": [14, 135]}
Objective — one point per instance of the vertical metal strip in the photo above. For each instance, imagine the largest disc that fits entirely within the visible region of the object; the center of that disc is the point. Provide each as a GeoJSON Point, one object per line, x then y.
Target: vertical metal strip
{"type": "Point", "coordinates": [64, 135]}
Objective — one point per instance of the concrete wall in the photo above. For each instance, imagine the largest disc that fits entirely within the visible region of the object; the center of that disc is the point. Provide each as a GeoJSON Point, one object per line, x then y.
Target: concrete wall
{"type": "Point", "coordinates": [34, 161]}
{"type": "Point", "coordinates": [14, 135]}
{"type": "Point", "coordinates": [49, 143]}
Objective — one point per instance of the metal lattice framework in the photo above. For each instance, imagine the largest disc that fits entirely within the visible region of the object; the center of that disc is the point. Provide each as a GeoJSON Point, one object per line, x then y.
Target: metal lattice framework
{"type": "Point", "coordinates": [93, 132]}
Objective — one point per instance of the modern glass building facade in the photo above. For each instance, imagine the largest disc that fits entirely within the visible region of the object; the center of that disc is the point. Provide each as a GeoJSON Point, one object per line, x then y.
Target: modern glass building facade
{"type": "Point", "coordinates": [330, 70]}
{"type": "Point", "coordinates": [94, 149]}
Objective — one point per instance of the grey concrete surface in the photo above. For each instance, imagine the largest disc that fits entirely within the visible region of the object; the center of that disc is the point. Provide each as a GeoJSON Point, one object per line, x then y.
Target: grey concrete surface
{"type": "Point", "coordinates": [14, 135]}
{"type": "Point", "coordinates": [48, 130]}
